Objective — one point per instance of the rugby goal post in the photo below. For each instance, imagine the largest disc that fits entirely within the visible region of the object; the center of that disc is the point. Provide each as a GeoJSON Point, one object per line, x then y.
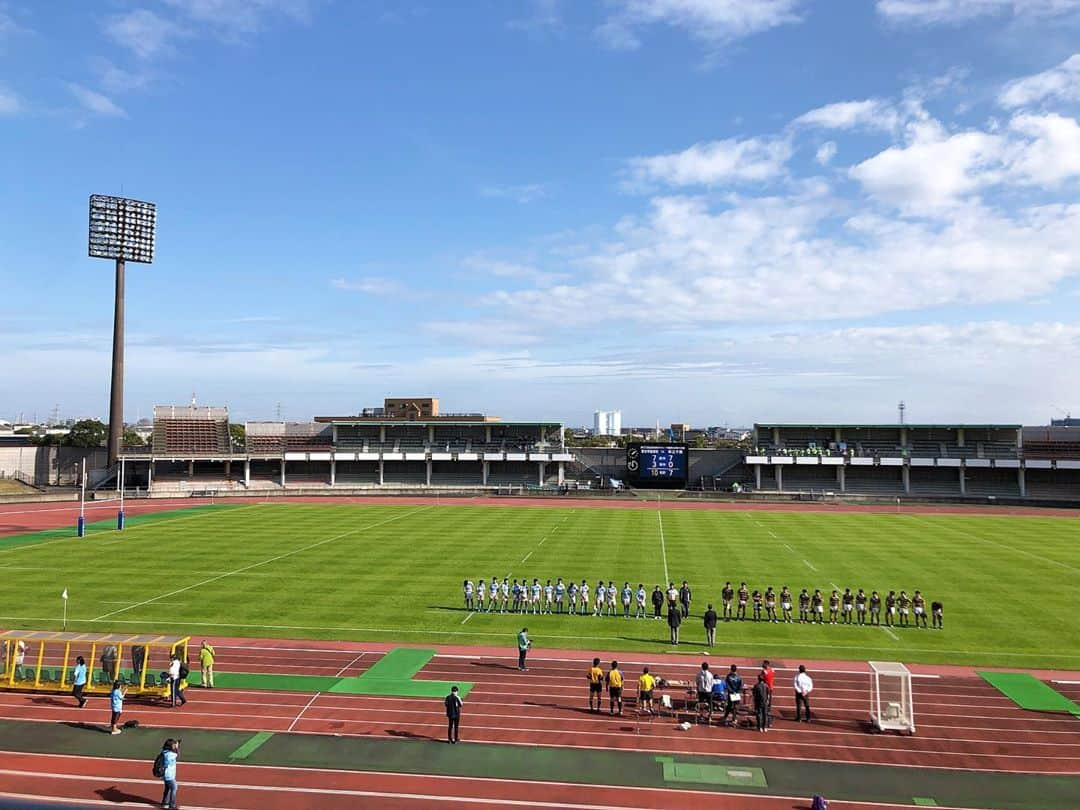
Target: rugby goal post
{"type": "Point", "coordinates": [891, 705]}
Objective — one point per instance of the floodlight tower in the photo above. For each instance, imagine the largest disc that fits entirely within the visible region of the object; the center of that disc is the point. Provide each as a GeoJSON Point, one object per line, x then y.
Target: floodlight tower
{"type": "Point", "coordinates": [122, 230]}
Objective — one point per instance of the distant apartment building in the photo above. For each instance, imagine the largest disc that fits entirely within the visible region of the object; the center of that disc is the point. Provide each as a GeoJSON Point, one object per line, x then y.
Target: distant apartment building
{"type": "Point", "coordinates": [607, 423]}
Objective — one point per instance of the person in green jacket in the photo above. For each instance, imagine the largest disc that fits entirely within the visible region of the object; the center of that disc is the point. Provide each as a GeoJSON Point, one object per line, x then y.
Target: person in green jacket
{"type": "Point", "coordinates": [523, 645]}
{"type": "Point", "coordinates": [206, 661]}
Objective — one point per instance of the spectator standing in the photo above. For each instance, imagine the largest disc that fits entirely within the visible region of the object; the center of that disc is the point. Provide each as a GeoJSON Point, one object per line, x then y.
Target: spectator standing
{"type": "Point", "coordinates": [674, 619]}
{"type": "Point", "coordinates": [710, 625]}
{"type": "Point", "coordinates": [20, 658]}
{"type": "Point", "coordinates": [769, 674]}
{"type": "Point", "coordinates": [176, 675]}
{"type": "Point", "coordinates": [761, 704]}
{"type": "Point", "coordinates": [523, 645]}
{"type": "Point", "coordinates": [207, 655]}
{"type": "Point", "coordinates": [453, 715]}
{"type": "Point", "coordinates": [170, 754]}
{"type": "Point", "coordinates": [78, 680]}
{"type": "Point", "coordinates": [685, 596]}
{"type": "Point", "coordinates": [734, 690]}
{"type": "Point", "coordinates": [704, 681]}
{"type": "Point", "coordinates": [803, 687]}
{"type": "Point", "coordinates": [657, 601]}
{"type": "Point", "coordinates": [138, 661]}
{"type": "Point", "coordinates": [116, 703]}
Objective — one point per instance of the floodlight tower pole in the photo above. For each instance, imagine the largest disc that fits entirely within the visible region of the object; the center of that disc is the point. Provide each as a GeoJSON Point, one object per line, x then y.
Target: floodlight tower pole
{"type": "Point", "coordinates": [116, 401]}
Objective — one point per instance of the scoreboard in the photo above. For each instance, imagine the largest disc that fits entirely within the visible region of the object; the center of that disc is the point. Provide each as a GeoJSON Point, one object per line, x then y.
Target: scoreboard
{"type": "Point", "coordinates": [656, 465]}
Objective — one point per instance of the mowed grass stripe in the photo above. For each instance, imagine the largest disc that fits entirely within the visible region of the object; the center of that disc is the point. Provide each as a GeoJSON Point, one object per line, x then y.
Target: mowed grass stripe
{"type": "Point", "coordinates": [403, 578]}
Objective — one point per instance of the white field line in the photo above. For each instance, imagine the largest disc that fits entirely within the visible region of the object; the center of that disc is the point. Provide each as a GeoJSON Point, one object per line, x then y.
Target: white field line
{"type": "Point", "coordinates": [258, 564]}
{"type": "Point", "coordinates": [663, 547]}
{"type": "Point", "coordinates": [891, 633]}
{"type": "Point", "coordinates": [809, 565]}
{"type": "Point", "coordinates": [523, 559]}
{"type": "Point", "coordinates": [467, 618]}
{"type": "Point", "coordinates": [349, 665]}
{"type": "Point", "coordinates": [400, 631]}
{"type": "Point", "coordinates": [301, 714]}
{"type": "Point", "coordinates": [1000, 545]}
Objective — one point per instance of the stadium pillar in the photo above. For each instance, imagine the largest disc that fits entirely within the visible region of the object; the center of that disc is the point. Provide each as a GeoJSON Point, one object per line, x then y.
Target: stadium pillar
{"type": "Point", "coordinates": [381, 464]}
{"type": "Point", "coordinates": [333, 472]}
{"type": "Point", "coordinates": [283, 472]}
{"type": "Point", "coordinates": [840, 482]}
{"type": "Point", "coordinates": [487, 434]}
{"type": "Point", "coordinates": [116, 395]}
{"type": "Point", "coordinates": [247, 472]}
{"type": "Point", "coordinates": [905, 473]}
{"type": "Point", "coordinates": [382, 436]}
{"type": "Point", "coordinates": [541, 465]}
{"type": "Point", "coordinates": [1021, 479]}
{"type": "Point", "coordinates": [757, 476]}
{"type": "Point", "coordinates": [191, 469]}
{"type": "Point", "coordinates": [779, 478]}
{"type": "Point", "coordinates": [959, 437]}
{"type": "Point", "coordinates": [228, 469]}
{"type": "Point", "coordinates": [150, 475]}
{"type": "Point", "coordinates": [431, 434]}
{"type": "Point", "coordinates": [562, 473]}
{"type": "Point", "coordinates": [963, 481]}
{"type": "Point", "coordinates": [428, 463]}
{"type": "Point", "coordinates": [484, 472]}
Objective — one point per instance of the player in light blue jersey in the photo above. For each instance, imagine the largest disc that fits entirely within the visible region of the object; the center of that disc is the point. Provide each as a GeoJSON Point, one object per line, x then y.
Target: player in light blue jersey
{"type": "Point", "coordinates": [549, 598]}
{"type": "Point", "coordinates": [560, 594]}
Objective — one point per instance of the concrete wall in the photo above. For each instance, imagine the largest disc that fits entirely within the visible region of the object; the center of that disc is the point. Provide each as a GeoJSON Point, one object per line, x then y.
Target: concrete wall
{"type": "Point", "coordinates": [43, 464]}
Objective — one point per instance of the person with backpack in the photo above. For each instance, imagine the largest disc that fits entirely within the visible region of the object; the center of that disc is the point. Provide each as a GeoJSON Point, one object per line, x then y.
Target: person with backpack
{"type": "Point", "coordinates": [165, 770]}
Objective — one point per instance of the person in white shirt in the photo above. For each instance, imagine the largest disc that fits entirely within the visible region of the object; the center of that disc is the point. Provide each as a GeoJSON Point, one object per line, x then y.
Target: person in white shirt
{"type": "Point", "coordinates": [536, 588]}
{"type": "Point", "coordinates": [640, 614]}
{"type": "Point", "coordinates": [601, 592]}
{"type": "Point", "coordinates": [505, 595]}
{"type": "Point", "coordinates": [493, 604]}
{"type": "Point", "coordinates": [549, 594]}
{"type": "Point", "coordinates": [583, 597]}
{"type": "Point", "coordinates": [467, 587]}
{"type": "Point", "coordinates": [612, 597]}
{"type": "Point", "coordinates": [481, 593]}
{"type": "Point", "coordinates": [803, 687]}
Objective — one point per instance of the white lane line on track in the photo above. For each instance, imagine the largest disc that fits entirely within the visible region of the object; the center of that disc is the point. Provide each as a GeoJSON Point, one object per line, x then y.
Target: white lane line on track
{"type": "Point", "coordinates": [263, 562]}
{"type": "Point", "coordinates": [349, 665]}
{"type": "Point", "coordinates": [301, 714]}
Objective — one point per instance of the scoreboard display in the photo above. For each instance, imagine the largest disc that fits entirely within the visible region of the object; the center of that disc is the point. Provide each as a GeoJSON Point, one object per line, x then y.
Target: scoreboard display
{"type": "Point", "coordinates": [656, 465]}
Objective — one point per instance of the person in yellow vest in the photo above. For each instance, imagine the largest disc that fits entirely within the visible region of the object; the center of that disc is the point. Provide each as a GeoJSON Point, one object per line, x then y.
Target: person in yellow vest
{"type": "Point", "coordinates": [206, 661]}
{"type": "Point", "coordinates": [596, 685]}
{"type": "Point", "coordinates": [645, 689]}
{"type": "Point", "coordinates": [614, 687]}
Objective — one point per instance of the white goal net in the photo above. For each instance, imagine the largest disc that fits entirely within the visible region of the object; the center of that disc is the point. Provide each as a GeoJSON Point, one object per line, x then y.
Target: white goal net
{"type": "Point", "coordinates": [891, 705]}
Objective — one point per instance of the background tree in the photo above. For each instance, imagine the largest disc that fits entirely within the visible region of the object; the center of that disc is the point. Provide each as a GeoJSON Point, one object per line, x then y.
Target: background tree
{"type": "Point", "coordinates": [238, 434]}
{"type": "Point", "coordinates": [133, 439]}
{"type": "Point", "coordinates": [87, 433]}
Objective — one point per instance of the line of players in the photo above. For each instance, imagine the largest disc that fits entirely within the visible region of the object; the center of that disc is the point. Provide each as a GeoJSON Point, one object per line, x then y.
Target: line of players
{"type": "Point", "coordinates": [574, 599]}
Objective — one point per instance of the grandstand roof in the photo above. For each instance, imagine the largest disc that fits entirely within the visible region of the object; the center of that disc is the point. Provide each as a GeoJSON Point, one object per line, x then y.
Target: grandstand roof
{"type": "Point", "coordinates": [884, 425]}
{"type": "Point", "coordinates": [435, 420]}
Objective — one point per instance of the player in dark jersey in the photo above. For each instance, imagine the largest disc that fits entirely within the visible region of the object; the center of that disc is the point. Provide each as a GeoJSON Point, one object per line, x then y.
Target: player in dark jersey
{"type": "Point", "coordinates": [890, 608]}
{"type": "Point", "coordinates": [818, 603]}
{"type": "Point", "coordinates": [770, 604]}
{"type": "Point", "coordinates": [756, 596]}
{"type": "Point", "coordinates": [849, 605]}
{"type": "Point", "coordinates": [804, 606]}
{"type": "Point", "coordinates": [936, 609]}
{"type": "Point", "coordinates": [918, 607]}
{"type": "Point", "coordinates": [834, 606]}
{"type": "Point", "coordinates": [860, 606]}
{"type": "Point", "coordinates": [726, 595]}
{"type": "Point", "coordinates": [875, 608]}
{"type": "Point", "coordinates": [904, 603]}
{"type": "Point", "coordinates": [744, 596]}
{"type": "Point", "coordinates": [785, 603]}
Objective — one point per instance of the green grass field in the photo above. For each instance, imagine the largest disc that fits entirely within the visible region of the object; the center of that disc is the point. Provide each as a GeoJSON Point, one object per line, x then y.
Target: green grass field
{"type": "Point", "coordinates": [394, 573]}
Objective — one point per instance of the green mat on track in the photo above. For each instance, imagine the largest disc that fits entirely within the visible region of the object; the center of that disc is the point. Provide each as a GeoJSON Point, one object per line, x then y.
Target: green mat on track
{"type": "Point", "coordinates": [400, 663]}
{"type": "Point", "coordinates": [268, 682]}
{"type": "Point", "coordinates": [1028, 692]}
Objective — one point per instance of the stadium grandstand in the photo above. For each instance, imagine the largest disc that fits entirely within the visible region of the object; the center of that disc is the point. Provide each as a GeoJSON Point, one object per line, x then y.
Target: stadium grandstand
{"type": "Point", "coordinates": [404, 444]}
{"type": "Point", "coordinates": [951, 461]}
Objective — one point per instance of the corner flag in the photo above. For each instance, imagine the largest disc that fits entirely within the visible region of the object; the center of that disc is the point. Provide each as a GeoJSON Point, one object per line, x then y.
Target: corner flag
{"type": "Point", "coordinates": [64, 594]}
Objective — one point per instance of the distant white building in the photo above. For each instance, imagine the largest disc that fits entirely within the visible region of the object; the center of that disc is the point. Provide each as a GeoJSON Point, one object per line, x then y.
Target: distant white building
{"type": "Point", "coordinates": [607, 423]}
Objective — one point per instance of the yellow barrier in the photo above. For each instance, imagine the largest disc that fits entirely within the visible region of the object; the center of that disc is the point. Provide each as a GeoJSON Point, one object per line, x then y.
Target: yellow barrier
{"type": "Point", "coordinates": [44, 661]}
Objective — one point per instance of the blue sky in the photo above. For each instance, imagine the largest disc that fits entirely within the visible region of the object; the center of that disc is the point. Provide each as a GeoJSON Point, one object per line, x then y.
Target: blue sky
{"type": "Point", "coordinates": [710, 211]}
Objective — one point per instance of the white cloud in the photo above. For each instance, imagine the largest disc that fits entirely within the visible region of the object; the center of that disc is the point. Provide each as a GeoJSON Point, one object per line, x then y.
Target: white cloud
{"type": "Point", "coordinates": [928, 12]}
{"type": "Point", "coordinates": [825, 153]}
{"type": "Point", "coordinates": [512, 270]}
{"type": "Point", "coordinates": [522, 193]}
{"type": "Point", "coordinates": [96, 102]}
{"type": "Point", "coordinates": [372, 285]}
{"type": "Point", "coordinates": [713, 163]}
{"type": "Point", "coordinates": [871, 114]}
{"type": "Point", "coordinates": [1059, 83]}
{"type": "Point", "coordinates": [240, 17]}
{"type": "Point", "coordinates": [143, 32]}
{"type": "Point", "coordinates": [485, 333]}
{"type": "Point", "coordinates": [711, 21]}
{"type": "Point", "coordinates": [10, 103]}
{"type": "Point", "coordinates": [546, 18]}
{"type": "Point", "coordinates": [1050, 153]}
{"type": "Point", "coordinates": [117, 80]}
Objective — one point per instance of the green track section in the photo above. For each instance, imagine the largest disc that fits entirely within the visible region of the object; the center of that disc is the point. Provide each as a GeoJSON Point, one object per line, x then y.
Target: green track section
{"type": "Point", "coordinates": [1028, 692]}
{"type": "Point", "coordinates": [837, 781]}
{"type": "Point", "coordinates": [392, 676]}
{"type": "Point", "coordinates": [387, 572]}
{"type": "Point", "coordinates": [251, 746]}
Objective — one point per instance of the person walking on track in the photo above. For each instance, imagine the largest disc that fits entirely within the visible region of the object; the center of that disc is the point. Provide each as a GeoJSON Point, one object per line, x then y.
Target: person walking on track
{"type": "Point", "coordinates": [206, 662]}
{"type": "Point", "coordinates": [453, 715]}
{"type": "Point", "coordinates": [78, 680]}
{"type": "Point", "coordinates": [523, 645]}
